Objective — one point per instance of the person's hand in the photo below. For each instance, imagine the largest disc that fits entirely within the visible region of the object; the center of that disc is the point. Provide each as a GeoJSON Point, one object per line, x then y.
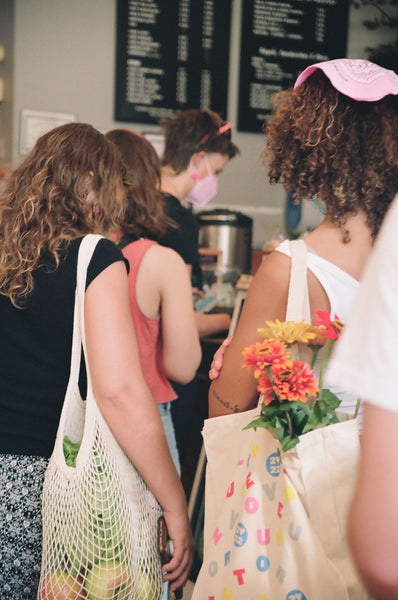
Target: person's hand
{"type": "Point", "coordinates": [198, 292]}
{"type": "Point", "coordinates": [177, 570]}
{"type": "Point", "coordinates": [218, 359]}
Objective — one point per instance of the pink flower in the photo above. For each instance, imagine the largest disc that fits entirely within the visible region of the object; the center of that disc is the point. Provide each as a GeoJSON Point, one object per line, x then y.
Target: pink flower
{"type": "Point", "coordinates": [332, 328]}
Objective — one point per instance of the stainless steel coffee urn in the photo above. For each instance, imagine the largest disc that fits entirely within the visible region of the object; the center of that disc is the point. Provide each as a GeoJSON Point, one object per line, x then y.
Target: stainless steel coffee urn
{"type": "Point", "coordinates": [231, 232]}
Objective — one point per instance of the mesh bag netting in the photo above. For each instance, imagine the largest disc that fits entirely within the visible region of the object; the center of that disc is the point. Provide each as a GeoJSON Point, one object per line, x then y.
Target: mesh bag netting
{"type": "Point", "coordinates": [99, 517]}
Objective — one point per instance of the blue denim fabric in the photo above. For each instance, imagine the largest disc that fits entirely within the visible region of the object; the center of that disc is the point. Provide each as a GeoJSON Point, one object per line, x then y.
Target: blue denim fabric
{"type": "Point", "coordinates": [165, 414]}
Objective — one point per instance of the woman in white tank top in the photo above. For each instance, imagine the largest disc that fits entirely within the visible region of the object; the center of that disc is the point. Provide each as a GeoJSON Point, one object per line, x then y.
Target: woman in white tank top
{"type": "Point", "coordinates": [327, 138]}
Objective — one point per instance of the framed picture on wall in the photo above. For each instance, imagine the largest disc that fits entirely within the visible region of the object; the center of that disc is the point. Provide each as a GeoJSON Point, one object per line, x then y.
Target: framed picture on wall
{"type": "Point", "coordinates": [33, 123]}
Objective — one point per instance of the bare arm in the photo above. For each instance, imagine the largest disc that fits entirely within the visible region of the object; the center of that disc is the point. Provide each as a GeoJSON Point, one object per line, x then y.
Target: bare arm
{"type": "Point", "coordinates": [181, 345]}
{"type": "Point", "coordinates": [211, 324]}
{"type": "Point", "coordinates": [235, 388]}
{"type": "Point", "coordinates": [129, 408]}
{"type": "Point", "coordinates": [373, 518]}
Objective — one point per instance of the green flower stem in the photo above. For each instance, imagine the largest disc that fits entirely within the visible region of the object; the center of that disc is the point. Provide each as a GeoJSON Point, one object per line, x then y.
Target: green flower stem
{"type": "Point", "coordinates": [269, 373]}
{"type": "Point", "coordinates": [357, 408]}
{"type": "Point", "coordinates": [325, 358]}
{"type": "Point", "coordinates": [315, 352]}
{"type": "Point", "coordinates": [289, 424]}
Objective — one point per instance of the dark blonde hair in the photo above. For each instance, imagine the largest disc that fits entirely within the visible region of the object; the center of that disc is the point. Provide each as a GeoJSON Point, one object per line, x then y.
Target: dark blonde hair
{"type": "Point", "coordinates": [343, 151]}
{"type": "Point", "coordinates": [192, 131]}
{"type": "Point", "coordinates": [44, 203]}
{"type": "Point", "coordinates": [145, 213]}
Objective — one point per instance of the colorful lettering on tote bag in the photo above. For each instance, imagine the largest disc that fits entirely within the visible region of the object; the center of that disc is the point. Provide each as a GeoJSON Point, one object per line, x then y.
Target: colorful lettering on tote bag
{"type": "Point", "coordinates": [273, 464]}
{"type": "Point", "coordinates": [255, 489]}
{"type": "Point", "coordinates": [296, 595]}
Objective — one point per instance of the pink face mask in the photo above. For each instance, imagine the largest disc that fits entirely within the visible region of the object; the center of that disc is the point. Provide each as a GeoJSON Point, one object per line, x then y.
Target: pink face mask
{"type": "Point", "coordinates": [205, 189]}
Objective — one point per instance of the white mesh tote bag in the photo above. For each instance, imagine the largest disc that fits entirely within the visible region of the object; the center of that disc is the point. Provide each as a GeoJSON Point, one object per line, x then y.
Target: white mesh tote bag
{"type": "Point", "coordinates": [99, 517]}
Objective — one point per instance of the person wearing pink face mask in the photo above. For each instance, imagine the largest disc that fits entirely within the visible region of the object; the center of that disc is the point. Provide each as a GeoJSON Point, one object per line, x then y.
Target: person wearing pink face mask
{"type": "Point", "coordinates": [197, 148]}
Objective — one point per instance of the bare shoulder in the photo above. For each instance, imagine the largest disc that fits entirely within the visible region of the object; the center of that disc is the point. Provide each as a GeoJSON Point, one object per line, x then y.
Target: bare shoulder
{"type": "Point", "coordinates": [162, 265]}
{"type": "Point", "coordinates": [166, 272]}
{"type": "Point", "coordinates": [162, 257]}
{"type": "Point", "coordinates": [274, 268]}
{"type": "Point", "coordinates": [266, 298]}
{"type": "Point", "coordinates": [270, 285]}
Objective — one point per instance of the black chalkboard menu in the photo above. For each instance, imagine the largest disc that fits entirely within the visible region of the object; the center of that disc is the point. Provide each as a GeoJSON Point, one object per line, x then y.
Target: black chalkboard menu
{"type": "Point", "coordinates": [278, 40]}
{"type": "Point", "coordinates": [171, 55]}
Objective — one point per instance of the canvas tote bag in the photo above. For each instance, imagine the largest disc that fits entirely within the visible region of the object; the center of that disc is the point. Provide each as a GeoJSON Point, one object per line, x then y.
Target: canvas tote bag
{"type": "Point", "coordinates": [99, 517]}
{"type": "Point", "coordinates": [275, 522]}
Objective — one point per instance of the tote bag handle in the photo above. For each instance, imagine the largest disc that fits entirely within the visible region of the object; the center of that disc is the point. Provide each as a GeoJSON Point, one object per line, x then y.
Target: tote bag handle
{"type": "Point", "coordinates": [298, 303]}
{"type": "Point", "coordinates": [73, 407]}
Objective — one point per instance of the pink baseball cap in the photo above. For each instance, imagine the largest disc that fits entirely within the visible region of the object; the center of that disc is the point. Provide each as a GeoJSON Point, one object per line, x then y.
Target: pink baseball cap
{"type": "Point", "coordinates": [357, 78]}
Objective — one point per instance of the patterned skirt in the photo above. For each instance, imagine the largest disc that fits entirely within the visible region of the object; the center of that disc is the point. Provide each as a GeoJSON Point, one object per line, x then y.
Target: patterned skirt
{"type": "Point", "coordinates": [21, 481]}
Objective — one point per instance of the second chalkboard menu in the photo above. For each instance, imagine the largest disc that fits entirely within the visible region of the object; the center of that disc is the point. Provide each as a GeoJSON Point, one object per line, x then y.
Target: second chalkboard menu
{"type": "Point", "coordinates": [171, 55]}
{"type": "Point", "coordinates": [278, 40]}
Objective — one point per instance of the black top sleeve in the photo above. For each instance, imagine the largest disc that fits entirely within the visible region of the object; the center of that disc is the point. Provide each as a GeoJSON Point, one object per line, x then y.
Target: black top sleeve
{"type": "Point", "coordinates": [184, 238]}
{"type": "Point", "coordinates": [105, 253]}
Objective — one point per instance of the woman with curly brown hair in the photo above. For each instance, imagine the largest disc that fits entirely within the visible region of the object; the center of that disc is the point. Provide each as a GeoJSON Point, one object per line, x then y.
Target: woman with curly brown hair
{"type": "Point", "coordinates": [334, 136]}
{"type": "Point", "coordinates": [71, 184]}
{"type": "Point", "coordinates": [160, 290]}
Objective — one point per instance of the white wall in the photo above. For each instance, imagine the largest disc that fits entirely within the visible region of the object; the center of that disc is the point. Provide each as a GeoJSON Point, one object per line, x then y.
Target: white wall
{"type": "Point", "coordinates": [64, 61]}
{"type": "Point", "coordinates": [6, 73]}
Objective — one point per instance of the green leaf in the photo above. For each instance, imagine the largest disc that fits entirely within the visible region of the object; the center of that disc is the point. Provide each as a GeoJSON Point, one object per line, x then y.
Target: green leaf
{"type": "Point", "coordinates": [330, 400]}
{"type": "Point", "coordinates": [309, 426]}
{"type": "Point", "coordinates": [302, 417]}
{"type": "Point", "coordinates": [317, 412]}
{"type": "Point", "coordinates": [299, 417]}
{"type": "Point", "coordinates": [280, 422]}
{"type": "Point", "coordinates": [288, 443]}
{"type": "Point", "coordinates": [277, 432]}
{"type": "Point", "coordinates": [271, 410]}
{"type": "Point", "coordinates": [259, 422]}
{"type": "Point", "coordinates": [71, 450]}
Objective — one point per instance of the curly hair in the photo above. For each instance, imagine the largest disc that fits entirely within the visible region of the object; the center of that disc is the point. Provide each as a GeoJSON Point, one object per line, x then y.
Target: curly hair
{"type": "Point", "coordinates": [145, 214]}
{"type": "Point", "coordinates": [44, 205]}
{"type": "Point", "coordinates": [184, 135]}
{"type": "Point", "coordinates": [322, 143]}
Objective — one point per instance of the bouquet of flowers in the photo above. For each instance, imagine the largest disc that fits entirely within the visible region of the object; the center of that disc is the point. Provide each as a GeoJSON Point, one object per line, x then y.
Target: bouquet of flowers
{"type": "Point", "coordinates": [293, 398]}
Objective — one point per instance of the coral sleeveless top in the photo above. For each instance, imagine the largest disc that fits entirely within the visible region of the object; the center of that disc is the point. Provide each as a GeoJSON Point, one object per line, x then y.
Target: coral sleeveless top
{"type": "Point", "coordinates": [147, 330]}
